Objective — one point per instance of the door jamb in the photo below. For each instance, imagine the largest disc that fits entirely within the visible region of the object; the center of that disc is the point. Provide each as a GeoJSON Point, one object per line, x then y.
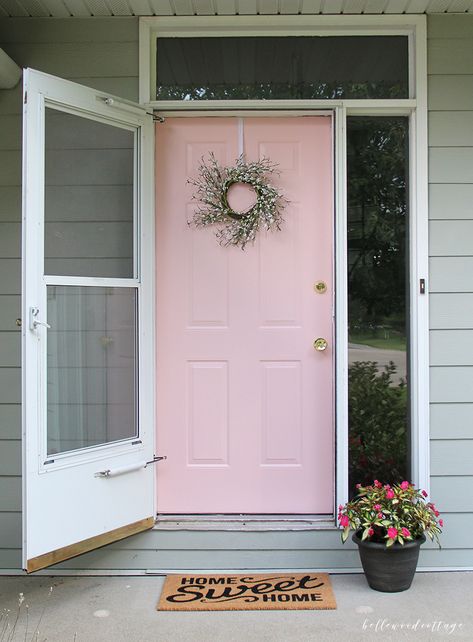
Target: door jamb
{"type": "Point", "coordinates": [339, 300]}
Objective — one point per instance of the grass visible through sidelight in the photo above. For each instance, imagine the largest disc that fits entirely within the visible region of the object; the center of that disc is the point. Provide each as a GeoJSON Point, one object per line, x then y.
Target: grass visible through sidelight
{"type": "Point", "coordinates": [391, 342]}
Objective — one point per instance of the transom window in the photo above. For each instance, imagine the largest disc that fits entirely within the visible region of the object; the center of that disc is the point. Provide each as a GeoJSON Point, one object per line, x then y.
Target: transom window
{"type": "Point", "coordinates": [281, 67]}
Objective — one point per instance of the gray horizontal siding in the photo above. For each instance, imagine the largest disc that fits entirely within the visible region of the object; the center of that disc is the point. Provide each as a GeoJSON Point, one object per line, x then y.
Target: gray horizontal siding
{"type": "Point", "coordinates": [451, 237]}
{"type": "Point", "coordinates": [10, 558]}
{"type": "Point", "coordinates": [451, 384]}
{"type": "Point", "coordinates": [10, 101]}
{"type": "Point", "coordinates": [451, 311]}
{"type": "Point", "coordinates": [10, 349]}
{"type": "Point", "coordinates": [451, 420]}
{"type": "Point", "coordinates": [10, 496]}
{"type": "Point", "coordinates": [10, 204]}
{"type": "Point", "coordinates": [450, 50]}
{"type": "Point", "coordinates": [9, 311]}
{"type": "Point", "coordinates": [88, 31]}
{"type": "Point", "coordinates": [10, 527]}
{"type": "Point", "coordinates": [450, 164]}
{"type": "Point", "coordinates": [10, 276]}
{"type": "Point", "coordinates": [453, 494]}
{"type": "Point", "coordinates": [78, 59]}
{"type": "Point", "coordinates": [447, 27]}
{"type": "Point", "coordinates": [451, 128]}
{"type": "Point", "coordinates": [450, 92]}
{"type": "Point", "coordinates": [243, 558]}
{"type": "Point", "coordinates": [10, 457]}
{"type": "Point", "coordinates": [10, 387]}
{"type": "Point", "coordinates": [451, 347]}
{"type": "Point", "coordinates": [450, 55]}
{"type": "Point", "coordinates": [10, 161]}
{"type": "Point", "coordinates": [451, 457]}
{"type": "Point", "coordinates": [124, 86]}
{"type": "Point", "coordinates": [138, 560]}
{"type": "Point", "coordinates": [10, 131]}
{"type": "Point", "coordinates": [451, 201]}
{"type": "Point", "coordinates": [451, 274]}
{"type": "Point", "coordinates": [10, 419]}
{"type": "Point", "coordinates": [10, 241]}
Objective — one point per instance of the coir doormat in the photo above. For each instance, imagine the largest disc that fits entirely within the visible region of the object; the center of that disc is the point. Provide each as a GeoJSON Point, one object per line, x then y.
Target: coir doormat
{"type": "Point", "coordinates": [247, 592]}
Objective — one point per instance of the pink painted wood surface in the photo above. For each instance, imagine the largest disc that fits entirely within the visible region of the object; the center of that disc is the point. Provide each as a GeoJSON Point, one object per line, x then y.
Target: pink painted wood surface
{"type": "Point", "coordinates": [244, 402]}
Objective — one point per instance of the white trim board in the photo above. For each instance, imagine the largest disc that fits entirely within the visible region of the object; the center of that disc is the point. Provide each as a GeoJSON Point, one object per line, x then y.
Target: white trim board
{"type": "Point", "coordinates": [280, 25]}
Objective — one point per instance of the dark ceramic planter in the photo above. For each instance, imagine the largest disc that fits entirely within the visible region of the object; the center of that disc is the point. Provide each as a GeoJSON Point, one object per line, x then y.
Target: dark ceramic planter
{"type": "Point", "coordinates": [392, 569]}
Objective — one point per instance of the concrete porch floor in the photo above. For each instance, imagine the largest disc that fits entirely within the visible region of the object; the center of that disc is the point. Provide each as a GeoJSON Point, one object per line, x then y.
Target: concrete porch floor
{"type": "Point", "coordinates": [439, 606]}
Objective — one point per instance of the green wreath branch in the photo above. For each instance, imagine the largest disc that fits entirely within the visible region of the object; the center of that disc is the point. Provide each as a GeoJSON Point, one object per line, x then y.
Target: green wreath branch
{"type": "Point", "coordinates": [211, 193]}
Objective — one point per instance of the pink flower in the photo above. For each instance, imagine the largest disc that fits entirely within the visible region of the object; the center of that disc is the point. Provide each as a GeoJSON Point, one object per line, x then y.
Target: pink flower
{"type": "Point", "coordinates": [389, 494]}
{"type": "Point", "coordinates": [340, 508]}
{"type": "Point", "coordinates": [377, 507]}
{"type": "Point", "coordinates": [387, 486]}
{"type": "Point", "coordinates": [405, 532]}
{"type": "Point", "coordinates": [436, 513]}
{"type": "Point", "coordinates": [405, 485]}
{"type": "Point", "coordinates": [441, 523]}
{"type": "Point", "coordinates": [370, 532]}
{"type": "Point", "coordinates": [392, 533]}
{"type": "Point", "coordinates": [378, 484]}
{"type": "Point", "coordinates": [424, 493]}
{"type": "Point", "coordinates": [358, 486]}
{"type": "Point", "coordinates": [344, 521]}
{"type": "Point", "coordinates": [380, 515]}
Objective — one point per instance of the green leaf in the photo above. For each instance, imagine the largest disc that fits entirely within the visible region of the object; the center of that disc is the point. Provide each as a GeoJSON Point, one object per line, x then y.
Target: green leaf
{"type": "Point", "coordinates": [346, 532]}
{"type": "Point", "coordinates": [365, 533]}
{"type": "Point", "coordinates": [390, 542]}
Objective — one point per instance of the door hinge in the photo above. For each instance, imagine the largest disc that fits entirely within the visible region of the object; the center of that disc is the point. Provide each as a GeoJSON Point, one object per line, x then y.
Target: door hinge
{"type": "Point", "coordinates": [422, 286]}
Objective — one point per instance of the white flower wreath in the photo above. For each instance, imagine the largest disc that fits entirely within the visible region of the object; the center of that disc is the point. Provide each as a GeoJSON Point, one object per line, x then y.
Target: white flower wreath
{"type": "Point", "coordinates": [212, 185]}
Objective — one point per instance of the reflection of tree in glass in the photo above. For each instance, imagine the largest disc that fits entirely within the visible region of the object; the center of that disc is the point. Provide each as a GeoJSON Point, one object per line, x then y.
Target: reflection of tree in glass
{"type": "Point", "coordinates": [377, 419]}
{"type": "Point", "coordinates": [281, 91]}
{"type": "Point", "coordinates": [377, 276]}
{"type": "Point", "coordinates": [377, 207]}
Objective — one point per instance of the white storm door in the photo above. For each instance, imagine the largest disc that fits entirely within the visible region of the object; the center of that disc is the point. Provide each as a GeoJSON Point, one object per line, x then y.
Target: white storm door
{"type": "Point", "coordinates": [88, 398]}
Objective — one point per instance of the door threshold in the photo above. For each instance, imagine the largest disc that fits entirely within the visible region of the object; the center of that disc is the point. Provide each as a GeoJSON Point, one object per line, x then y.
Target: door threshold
{"type": "Point", "coordinates": [241, 522]}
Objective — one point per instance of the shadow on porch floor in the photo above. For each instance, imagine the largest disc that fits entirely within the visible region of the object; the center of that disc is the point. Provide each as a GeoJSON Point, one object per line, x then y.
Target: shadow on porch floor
{"type": "Point", "coordinates": [87, 609]}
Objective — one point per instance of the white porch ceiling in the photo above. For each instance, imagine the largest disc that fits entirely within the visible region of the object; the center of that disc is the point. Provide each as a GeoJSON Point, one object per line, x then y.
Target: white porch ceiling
{"type": "Point", "coordinates": [90, 8]}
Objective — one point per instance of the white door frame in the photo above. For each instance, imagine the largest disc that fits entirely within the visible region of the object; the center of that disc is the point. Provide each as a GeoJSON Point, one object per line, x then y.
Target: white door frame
{"type": "Point", "coordinates": [414, 107]}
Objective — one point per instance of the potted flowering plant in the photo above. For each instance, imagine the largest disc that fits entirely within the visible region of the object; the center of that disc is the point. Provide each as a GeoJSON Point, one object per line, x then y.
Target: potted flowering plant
{"type": "Point", "coordinates": [390, 524]}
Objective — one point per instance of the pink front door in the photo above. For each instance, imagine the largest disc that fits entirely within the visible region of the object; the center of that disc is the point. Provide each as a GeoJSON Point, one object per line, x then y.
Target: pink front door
{"type": "Point", "coordinates": [244, 401]}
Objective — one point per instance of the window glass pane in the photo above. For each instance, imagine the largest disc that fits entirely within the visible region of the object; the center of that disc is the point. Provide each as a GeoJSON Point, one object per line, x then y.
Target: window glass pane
{"type": "Point", "coordinates": [91, 366]}
{"type": "Point", "coordinates": [88, 197]}
{"type": "Point", "coordinates": [282, 67]}
{"type": "Point", "coordinates": [377, 157]}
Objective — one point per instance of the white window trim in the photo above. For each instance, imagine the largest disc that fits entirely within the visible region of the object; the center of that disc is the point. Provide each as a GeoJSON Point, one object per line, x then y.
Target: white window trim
{"type": "Point", "coordinates": [415, 107]}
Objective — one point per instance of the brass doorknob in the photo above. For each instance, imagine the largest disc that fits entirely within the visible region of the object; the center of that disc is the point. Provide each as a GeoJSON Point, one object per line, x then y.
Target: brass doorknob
{"type": "Point", "coordinates": [320, 344]}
